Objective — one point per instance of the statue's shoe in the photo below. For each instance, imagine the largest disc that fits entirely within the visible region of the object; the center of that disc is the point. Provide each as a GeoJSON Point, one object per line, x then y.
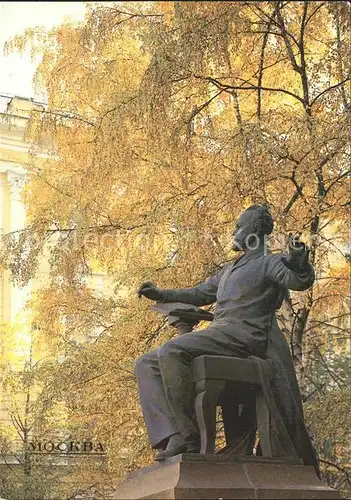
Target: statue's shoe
{"type": "Point", "coordinates": [177, 445]}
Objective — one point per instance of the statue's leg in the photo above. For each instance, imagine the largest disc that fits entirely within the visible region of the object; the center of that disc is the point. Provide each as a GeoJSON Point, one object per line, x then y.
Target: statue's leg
{"type": "Point", "coordinates": [158, 416]}
{"type": "Point", "coordinates": [175, 359]}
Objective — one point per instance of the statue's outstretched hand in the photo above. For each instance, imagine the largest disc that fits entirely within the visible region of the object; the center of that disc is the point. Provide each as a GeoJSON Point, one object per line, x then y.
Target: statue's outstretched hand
{"type": "Point", "coordinates": [150, 291]}
{"type": "Point", "coordinates": [297, 259]}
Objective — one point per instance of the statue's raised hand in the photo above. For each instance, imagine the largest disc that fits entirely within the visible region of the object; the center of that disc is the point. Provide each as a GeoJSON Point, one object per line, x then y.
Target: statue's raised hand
{"type": "Point", "coordinates": [151, 291]}
{"type": "Point", "coordinates": [297, 259]}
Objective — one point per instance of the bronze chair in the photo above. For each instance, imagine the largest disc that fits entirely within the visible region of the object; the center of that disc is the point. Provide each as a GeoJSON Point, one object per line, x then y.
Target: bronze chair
{"type": "Point", "coordinates": [224, 381]}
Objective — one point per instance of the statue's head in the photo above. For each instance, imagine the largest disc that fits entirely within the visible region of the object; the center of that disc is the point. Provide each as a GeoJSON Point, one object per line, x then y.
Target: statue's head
{"type": "Point", "coordinates": [251, 228]}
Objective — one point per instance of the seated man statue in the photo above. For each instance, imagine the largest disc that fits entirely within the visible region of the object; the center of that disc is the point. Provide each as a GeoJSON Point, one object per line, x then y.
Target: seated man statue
{"type": "Point", "coordinates": [248, 291]}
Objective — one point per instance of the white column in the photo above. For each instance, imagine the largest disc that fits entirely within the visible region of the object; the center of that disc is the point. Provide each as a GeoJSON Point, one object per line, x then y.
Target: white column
{"type": "Point", "coordinates": [2, 206]}
{"type": "Point", "coordinates": [17, 208]}
{"type": "Point", "coordinates": [17, 222]}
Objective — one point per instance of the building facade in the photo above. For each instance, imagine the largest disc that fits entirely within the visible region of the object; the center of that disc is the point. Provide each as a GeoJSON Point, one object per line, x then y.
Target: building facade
{"type": "Point", "coordinates": [14, 153]}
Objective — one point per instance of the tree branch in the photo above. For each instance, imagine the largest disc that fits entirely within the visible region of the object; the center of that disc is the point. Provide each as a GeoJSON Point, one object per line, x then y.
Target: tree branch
{"type": "Point", "coordinates": [339, 55]}
{"type": "Point", "coordinates": [65, 114]}
{"type": "Point", "coordinates": [294, 198]}
{"type": "Point", "coordinates": [198, 110]}
{"type": "Point", "coordinates": [260, 70]}
{"type": "Point", "coordinates": [327, 462]}
{"type": "Point", "coordinates": [341, 176]}
{"type": "Point", "coordinates": [330, 88]}
{"type": "Point", "coordinates": [225, 87]}
{"type": "Point", "coordinates": [270, 18]}
{"type": "Point", "coordinates": [303, 73]}
{"type": "Point", "coordinates": [285, 35]}
{"type": "Point", "coordinates": [313, 13]}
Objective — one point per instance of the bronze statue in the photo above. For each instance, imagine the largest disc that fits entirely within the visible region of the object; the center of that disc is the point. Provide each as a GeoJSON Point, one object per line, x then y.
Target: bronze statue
{"type": "Point", "coordinates": [248, 291]}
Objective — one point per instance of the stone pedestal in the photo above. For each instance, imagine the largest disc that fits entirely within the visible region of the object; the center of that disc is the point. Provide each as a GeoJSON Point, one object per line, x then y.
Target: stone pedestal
{"type": "Point", "coordinates": [194, 476]}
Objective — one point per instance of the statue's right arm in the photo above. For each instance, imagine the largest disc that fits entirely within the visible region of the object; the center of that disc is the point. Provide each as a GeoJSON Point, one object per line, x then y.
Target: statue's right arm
{"type": "Point", "coordinates": [200, 295]}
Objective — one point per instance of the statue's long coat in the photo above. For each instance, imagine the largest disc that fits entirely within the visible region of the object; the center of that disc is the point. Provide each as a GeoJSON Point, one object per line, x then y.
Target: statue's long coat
{"type": "Point", "coordinates": [248, 291]}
